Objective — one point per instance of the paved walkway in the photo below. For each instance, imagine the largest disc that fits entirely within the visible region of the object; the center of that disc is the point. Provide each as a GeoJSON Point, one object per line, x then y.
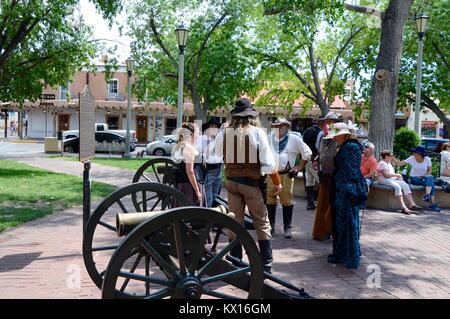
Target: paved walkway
{"type": "Point", "coordinates": [42, 259]}
{"type": "Point", "coordinates": [107, 174]}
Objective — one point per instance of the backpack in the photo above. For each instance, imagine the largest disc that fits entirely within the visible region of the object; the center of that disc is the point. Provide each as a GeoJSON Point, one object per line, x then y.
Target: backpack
{"type": "Point", "coordinates": [445, 185]}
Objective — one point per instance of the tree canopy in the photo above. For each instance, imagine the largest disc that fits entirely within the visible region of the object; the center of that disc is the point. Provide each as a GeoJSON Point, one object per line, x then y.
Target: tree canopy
{"type": "Point", "coordinates": [217, 67]}
{"type": "Point", "coordinates": [435, 81]}
{"type": "Point", "coordinates": [43, 42]}
{"type": "Point", "coordinates": [436, 61]}
{"type": "Point", "coordinates": [308, 39]}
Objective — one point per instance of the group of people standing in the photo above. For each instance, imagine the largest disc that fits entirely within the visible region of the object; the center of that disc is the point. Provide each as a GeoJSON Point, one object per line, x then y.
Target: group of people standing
{"type": "Point", "coordinates": [260, 168]}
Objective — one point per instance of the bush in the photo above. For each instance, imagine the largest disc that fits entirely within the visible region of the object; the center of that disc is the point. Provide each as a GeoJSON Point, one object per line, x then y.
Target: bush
{"type": "Point", "coordinates": [404, 140]}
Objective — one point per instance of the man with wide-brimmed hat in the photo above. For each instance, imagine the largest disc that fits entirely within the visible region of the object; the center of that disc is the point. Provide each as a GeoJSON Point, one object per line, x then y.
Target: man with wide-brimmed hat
{"type": "Point", "coordinates": [286, 147]}
{"type": "Point", "coordinates": [322, 228]}
{"type": "Point", "coordinates": [247, 157]}
{"type": "Point", "coordinates": [312, 137]}
{"type": "Point", "coordinates": [212, 164]}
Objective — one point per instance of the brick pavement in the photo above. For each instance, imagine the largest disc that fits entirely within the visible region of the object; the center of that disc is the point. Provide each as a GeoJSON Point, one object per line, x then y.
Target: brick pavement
{"type": "Point", "coordinates": [39, 259]}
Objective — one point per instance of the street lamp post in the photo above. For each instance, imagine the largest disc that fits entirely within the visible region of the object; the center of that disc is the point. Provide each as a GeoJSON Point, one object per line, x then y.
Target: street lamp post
{"type": "Point", "coordinates": [421, 20]}
{"type": "Point", "coordinates": [182, 34]}
{"type": "Point", "coordinates": [128, 137]}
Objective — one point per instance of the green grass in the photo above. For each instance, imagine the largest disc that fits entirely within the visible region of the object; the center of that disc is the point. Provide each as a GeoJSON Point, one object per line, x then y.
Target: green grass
{"type": "Point", "coordinates": [131, 164]}
{"type": "Point", "coordinates": [27, 193]}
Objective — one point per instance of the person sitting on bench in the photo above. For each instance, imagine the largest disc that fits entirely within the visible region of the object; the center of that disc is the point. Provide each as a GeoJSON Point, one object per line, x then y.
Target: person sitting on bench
{"type": "Point", "coordinates": [387, 176]}
{"type": "Point", "coordinates": [421, 174]}
{"type": "Point", "coordinates": [445, 160]}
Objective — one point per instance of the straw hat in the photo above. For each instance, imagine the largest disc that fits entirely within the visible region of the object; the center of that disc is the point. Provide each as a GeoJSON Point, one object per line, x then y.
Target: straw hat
{"type": "Point", "coordinates": [339, 129]}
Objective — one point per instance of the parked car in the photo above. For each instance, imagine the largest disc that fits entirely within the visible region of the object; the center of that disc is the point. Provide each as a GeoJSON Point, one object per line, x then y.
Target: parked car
{"type": "Point", "coordinates": [70, 134]}
{"type": "Point", "coordinates": [433, 144]}
{"type": "Point", "coordinates": [161, 148]}
{"type": "Point", "coordinates": [101, 127]}
{"type": "Point", "coordinates": [105, 142]}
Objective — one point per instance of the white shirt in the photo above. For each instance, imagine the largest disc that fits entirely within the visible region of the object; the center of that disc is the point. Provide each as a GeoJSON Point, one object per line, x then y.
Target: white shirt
{"type": "Point", "coordinates": [418, 169]}
{"type": "Point", "coordinates": [445, 161]}
{"type": "Point", "coordinates": [181, 156]}
{"type": "Point", "coordinates": [382, 165]}
{"type": "Point", "coordinates": [258, 139]}
{"type": "Point", "coordinates": [208, 153]}
{"type": "Point", "coordinates": [295, 145]}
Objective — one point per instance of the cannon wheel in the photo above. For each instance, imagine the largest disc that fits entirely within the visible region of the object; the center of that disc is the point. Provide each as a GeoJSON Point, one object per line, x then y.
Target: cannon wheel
{"type": "Point", "coordinates": [187, 269]}
{"type": "Point", "coordinates": [144, 174]}
{"type": "Point", "coordinates": [154, 197]}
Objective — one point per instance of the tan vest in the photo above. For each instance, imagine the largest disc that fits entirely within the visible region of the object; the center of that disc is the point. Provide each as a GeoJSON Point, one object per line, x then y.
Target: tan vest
{"type": "Point", "coordinates": [241, 157]}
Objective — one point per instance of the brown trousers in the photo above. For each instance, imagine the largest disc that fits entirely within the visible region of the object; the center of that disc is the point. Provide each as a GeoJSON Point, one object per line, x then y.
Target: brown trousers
{"type": "Point", "coordinates": [323, 223]}
{"type": "Point", "coordinates": [240, 195]}
{"type": "Point", "coordinates": [286, 194]}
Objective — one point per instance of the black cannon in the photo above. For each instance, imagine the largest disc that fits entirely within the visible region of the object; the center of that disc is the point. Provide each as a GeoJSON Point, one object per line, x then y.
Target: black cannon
{"type": "Point", "coordinates": [171, 250]}
{"type": "Point", "coordinates": [146, 240]}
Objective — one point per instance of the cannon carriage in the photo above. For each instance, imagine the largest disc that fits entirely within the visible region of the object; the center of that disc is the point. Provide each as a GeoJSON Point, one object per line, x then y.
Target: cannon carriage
{"type": "Point", "coordinates": [148, 241]}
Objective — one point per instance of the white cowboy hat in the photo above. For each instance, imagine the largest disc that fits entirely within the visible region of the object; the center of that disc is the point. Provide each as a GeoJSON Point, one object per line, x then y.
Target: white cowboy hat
{"type": "Point", "coordinates": [281, 121]}
{"type": "Point", "coordinates": [339, 129]}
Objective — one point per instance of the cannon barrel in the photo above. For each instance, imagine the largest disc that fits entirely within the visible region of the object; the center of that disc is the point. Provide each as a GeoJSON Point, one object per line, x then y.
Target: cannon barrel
{"type": "Point", "coordinates": [125, 223]}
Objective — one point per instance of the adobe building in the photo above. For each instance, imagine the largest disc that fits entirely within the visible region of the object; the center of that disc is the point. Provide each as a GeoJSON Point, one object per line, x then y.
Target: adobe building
{"type": "Point", "coordinates": [150, 120]}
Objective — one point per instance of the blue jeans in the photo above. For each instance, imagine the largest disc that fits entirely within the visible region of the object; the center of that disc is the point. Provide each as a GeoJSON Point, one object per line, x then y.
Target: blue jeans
{"type": "Point", "coordinates": [424, 181]}
{"type": "Point", "coordinates": [213, 183]}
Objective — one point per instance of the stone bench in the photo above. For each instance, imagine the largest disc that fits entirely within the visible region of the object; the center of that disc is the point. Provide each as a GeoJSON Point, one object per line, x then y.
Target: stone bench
{"type": "Point", "coordinates": [382, 197]}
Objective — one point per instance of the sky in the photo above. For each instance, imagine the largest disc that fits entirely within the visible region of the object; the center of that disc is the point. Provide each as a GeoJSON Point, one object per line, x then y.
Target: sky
{"type": "Point", "coordinates": [102, 31]}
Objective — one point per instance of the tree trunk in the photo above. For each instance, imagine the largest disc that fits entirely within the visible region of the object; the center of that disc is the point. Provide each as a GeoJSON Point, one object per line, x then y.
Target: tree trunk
{"type": "Point", "coordinates": [429, 103]}
{"type": "Point", "coordinates": [198, 108]}
{"type": "Point", "coordinates": [324, 107]}
{"type": "Point", "coordinates": [385, 80]}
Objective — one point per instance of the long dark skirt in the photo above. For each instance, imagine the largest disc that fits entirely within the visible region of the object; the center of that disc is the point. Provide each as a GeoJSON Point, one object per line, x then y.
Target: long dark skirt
{"type": "Point", "coordinates": [346, 248]}
{"type": "Point", "coordinates": [187, 189]}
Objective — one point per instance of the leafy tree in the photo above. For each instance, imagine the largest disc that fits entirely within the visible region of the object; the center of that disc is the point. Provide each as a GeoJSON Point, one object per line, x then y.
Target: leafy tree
{"type": "Point", "coordinates": [385, 79]}
{"type": "Point", "coordinates": [436, 62]}
{"type": "Point", "coordinates": [435, 81]}
{"type": "Point", "coordinates": [42, 42]}
{"type": "Point", "coordinates": [217, 67]}
{"type": "Point", "coordinates": [308, 39]}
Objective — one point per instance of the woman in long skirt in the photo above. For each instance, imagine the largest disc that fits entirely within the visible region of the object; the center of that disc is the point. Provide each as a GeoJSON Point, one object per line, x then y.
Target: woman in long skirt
{"type": "Point", "coordinates": [349, 191]}
{"type": "Point", "coordinates": [189, 179]}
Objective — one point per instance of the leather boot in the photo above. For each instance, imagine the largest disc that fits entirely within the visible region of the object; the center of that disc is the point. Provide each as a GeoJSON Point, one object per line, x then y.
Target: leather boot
{"type": "Point", "coordinates": [287, 220]}
{"type": "Point", "coordinates": [272, 210]}
{"type": "Point", "coordinates": [310, 197]}
{"type": "Point", "coordinates": [265, 247]}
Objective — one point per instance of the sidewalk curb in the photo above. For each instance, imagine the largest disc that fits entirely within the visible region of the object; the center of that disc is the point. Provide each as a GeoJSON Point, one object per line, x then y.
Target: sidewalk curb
{"type": "Point", "coordinates": [6, 140]}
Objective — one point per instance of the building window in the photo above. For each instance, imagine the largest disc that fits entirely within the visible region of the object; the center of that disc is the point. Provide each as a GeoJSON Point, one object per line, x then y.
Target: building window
{"type": "Point", "coordinates": [65, 92]}
{"type": "Point", "coordinates": [113, 88]}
